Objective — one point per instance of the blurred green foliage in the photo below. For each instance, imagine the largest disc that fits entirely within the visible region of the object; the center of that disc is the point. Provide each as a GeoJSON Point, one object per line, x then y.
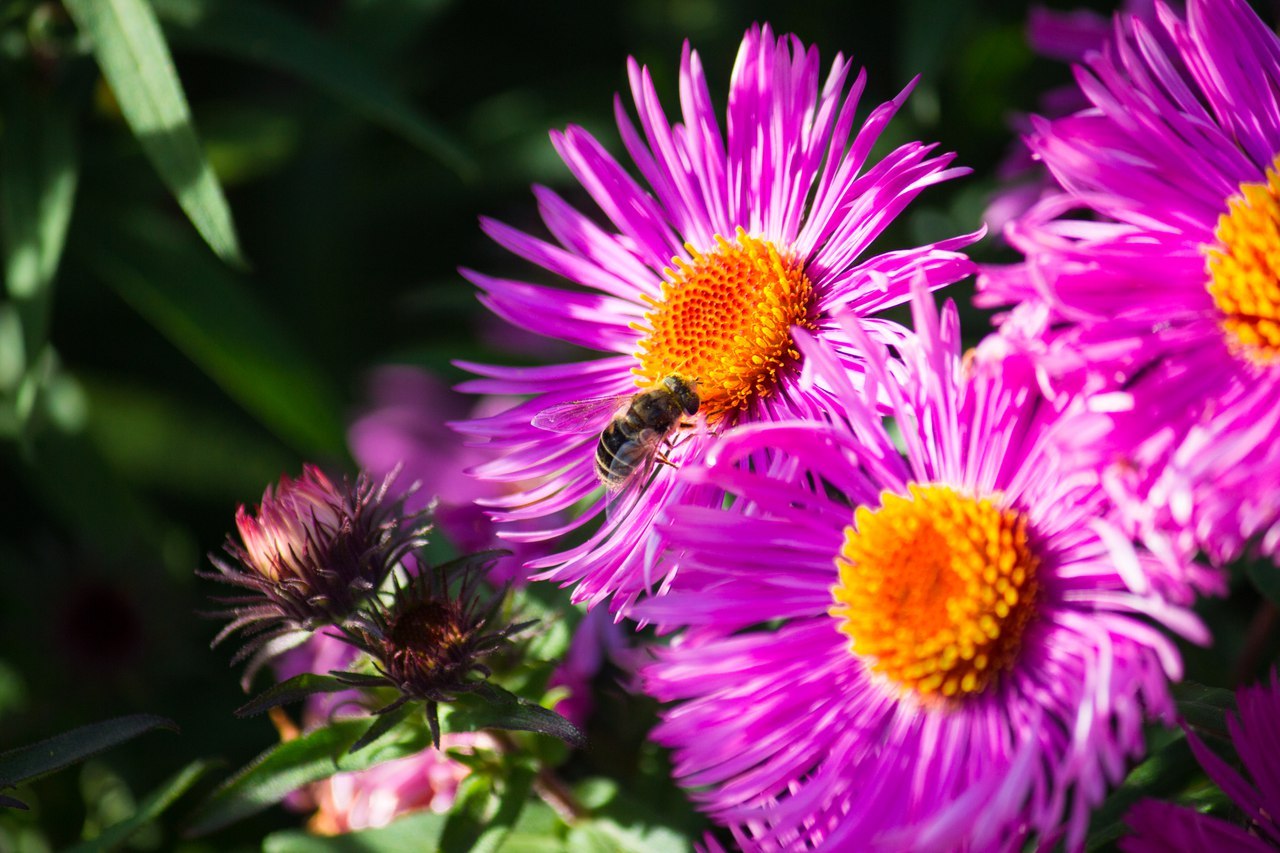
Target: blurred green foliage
{"type": "Point", "coordinates": [217, 215]}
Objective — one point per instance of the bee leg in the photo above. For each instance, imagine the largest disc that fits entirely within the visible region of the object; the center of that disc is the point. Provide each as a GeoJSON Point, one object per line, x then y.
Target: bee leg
{"type": "Point", "coordinates": [658, 457]}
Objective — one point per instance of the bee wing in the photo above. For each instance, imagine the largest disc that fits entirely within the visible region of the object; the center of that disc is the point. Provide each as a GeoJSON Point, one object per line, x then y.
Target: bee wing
{"type": "Point", "coordinates": [581, 416]}
{"type": "Point", "coordinates": [624, 497]}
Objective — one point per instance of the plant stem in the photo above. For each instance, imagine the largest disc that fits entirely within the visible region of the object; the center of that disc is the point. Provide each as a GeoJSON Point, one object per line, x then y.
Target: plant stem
{"type": "Point", "coordinates": [1261, 627]}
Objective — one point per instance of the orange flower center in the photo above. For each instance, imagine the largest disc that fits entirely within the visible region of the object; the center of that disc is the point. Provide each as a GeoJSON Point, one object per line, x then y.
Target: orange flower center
{"type": "Point", "coordinates": [936, 589]}
{"type": "Point", "coordinates": [724, 320]}
{"type": "Point", "coordinates": [1244, 270]}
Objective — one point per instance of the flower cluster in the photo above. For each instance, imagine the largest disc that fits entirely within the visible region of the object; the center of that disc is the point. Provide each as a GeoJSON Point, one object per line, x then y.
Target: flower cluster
{"type": "Point", "coordinates": [913, 599]}
{"type": "Point", "coordinates": [907, 597]}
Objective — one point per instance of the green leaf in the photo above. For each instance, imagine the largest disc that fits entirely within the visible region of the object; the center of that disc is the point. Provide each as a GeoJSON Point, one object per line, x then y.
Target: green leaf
{"type": "Point", "coordinates": [516, 787]}
{"type": "Point", "coordinates": [259, 33]}
{"type": "Point", "coordinates": [53, 754]}
{"type": "Point", "coordinates": [151, 808]}
{"type": "Point", "coordinates": [38, 175]}
{"type": "Point", "coordinates": [632, 820]}
{"type": "Point", "coordinates": [295, 689]}
{"type": "Point", "coordinates": [1266, 577]}
{"type": "Point", "coordinates": [417, 831]}
{"type": "Point", "coordinates": [314, 756]}
{"type": "Point", "coordinates": [1203, 706]}
{"type": "Point", "coordinates": [383, 723]}
{"type": "Point", "coordinates": [492, 707]}
{"type": "Point", "coordinates": [607, 836]}
{"type": "Point", "coordinates": [471, 805]}
{"type": "Point", "coordinates": [557, 620]}
{"type": "Point", "coordinates": [1161, 776]}
{"type": "Point", "coordinates": [471, 827]}
{"type": "Point", "coordinates": [526, 842]}
{"type": "Point", "coordinates": [135, 61]}
{"type": "Point", "coordinates": [205, 310]}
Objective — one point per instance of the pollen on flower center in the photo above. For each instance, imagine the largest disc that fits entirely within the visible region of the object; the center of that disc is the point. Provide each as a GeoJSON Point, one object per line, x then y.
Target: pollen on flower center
{"type": "Point", "coordinates": [936, 589]}
{"type": "Point", "coordinates": [724, 320]}
{"type": "Point", "coordinates": [1244, 270]}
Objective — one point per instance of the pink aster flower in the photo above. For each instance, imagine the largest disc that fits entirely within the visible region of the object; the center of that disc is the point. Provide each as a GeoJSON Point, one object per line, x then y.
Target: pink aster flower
{"type": "Point", "coordinates": [1069, 36]}
{"type": "Point", "coordinates": [740, 235]}
{"type": "Point", "coordinates": [1165, 828]}
{"type": "Point", "coordinates": [937, 649]}
{"type": "Point", "coordinates": [1165, 292]}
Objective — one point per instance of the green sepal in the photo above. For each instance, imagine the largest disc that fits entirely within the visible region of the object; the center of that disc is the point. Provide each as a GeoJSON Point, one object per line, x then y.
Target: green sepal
{"type": "Point", "coordinates": [296, 688]}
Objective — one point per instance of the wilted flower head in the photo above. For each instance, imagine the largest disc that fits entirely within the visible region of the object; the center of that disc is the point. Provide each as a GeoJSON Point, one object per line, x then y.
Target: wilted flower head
{"type": "Point", "coordinates": [309, 555]}
{"type": "Point", "coordinates": [740, 231]}
{"type": "Point", "coordinates": [431, 637]}
{"type": "Point", "coordinates": [1161, 827]}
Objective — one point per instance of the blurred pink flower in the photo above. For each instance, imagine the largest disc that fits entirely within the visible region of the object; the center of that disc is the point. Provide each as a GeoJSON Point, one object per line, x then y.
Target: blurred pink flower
{"type": "Point", "coordinates": [406, 424]}
{"type": "Point", "coordinates": [375, 797]}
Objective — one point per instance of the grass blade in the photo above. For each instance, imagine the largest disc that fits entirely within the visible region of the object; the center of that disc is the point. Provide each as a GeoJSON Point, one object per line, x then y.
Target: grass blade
{"type": "Point", "coordinates": [207, 312]}
{"type": "Point", "coordinates": [148, 810]}
{"type": "Point", "coordinates": [38, 175]}
{"type": "Point", "coordinates": [62, 750]}
{"type": "Point", "coordinates": [259, 33]}
{"type": "Point", "coordinates": [135, 61]}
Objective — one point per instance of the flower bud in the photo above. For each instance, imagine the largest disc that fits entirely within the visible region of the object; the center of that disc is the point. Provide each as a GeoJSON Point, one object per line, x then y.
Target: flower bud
{"type": "Point", "coordinates": [309, 555]}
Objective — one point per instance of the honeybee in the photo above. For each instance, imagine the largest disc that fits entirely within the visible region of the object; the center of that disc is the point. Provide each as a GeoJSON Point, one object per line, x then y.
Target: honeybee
{"type": "Point", "coordinates": [635, 427]}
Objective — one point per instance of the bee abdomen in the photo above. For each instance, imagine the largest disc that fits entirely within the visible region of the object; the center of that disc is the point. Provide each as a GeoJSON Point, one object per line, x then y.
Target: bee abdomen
{"type": "Point", "coordinates": [620, 454]}
{"type": "Point", "coordinates": [611, 442]}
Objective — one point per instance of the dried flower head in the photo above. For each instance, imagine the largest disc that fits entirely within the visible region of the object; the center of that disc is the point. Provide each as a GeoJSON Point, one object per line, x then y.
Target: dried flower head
{"type": "Point", "coordinates": [430, 639]}
{"type": "Point", "coordinates": [309, 556]}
